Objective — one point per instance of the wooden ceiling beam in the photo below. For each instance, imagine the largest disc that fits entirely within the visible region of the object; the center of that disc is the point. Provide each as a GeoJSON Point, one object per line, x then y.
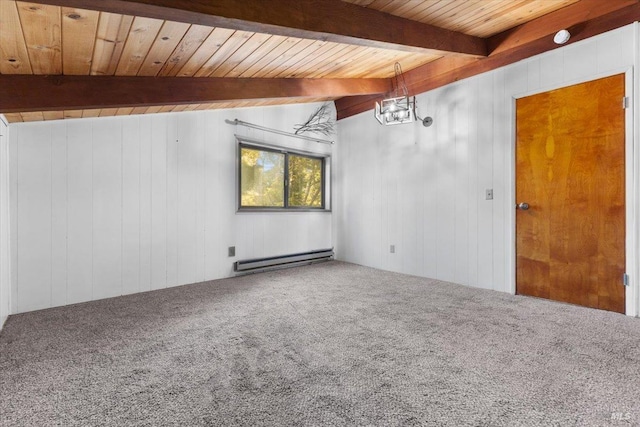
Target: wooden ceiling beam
{"type": "Point", "coordinates": [330, 20]}
{"type": "Point", "coordinates": [532, 38]}
{"type": "Point", "coordinates": [23, 93]}
{"type": "Point", "coordinates": [570, 18]}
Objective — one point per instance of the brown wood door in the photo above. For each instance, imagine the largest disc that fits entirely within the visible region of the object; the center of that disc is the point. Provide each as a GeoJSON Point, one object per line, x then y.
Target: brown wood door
{"type": "Point", "coordinates": [570, 169]}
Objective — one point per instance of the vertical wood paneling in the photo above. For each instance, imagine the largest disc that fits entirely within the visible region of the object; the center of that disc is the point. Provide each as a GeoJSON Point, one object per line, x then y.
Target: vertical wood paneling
{"type": "Point", "coordinates": [375, 168]}
{"type": "Point", "coordinates": [172, 178]}
{"type": "Point", "coordinates": [429, 191]}
{"type": "Point", "coordinates": [475, 193]}
{"type": "Point", "coordinates": [145, 203]}
{"type": "Point", "coordinates": [131, 202]}
{"type": "Point", "coordinates": [627, 41]}
{"type": "Point", "coordinates": [259, 244]}
{"type": "Point", "coordinates": [485, 180]}
{"type": "Point", "coordinates": [378, 249]}
{"type": "Point", "coordinates": [391, 198]}
{"type": "Point", "coordinates": [187, 190]}
{"type": "Point", "coordinates": [533, 74]}
{"type": "Point", "coordinates": [212, 206]}
{"type": "Point", "coordinates": [502, 125]}
{"type": "Point", "coordinates": [610, 47]}
{"type": "Point", "coordinates": [158, 202]}
{"type": "Point", "coordinates": [34, 218]}
{"type": "Point", "coordinates": [369, 211]}
{"type": "Point", "coordinates": [363, 170]}
{"type": "Point", "coordinates": [462, 194]}
{"type": "Point", "coordinates": [244, 243]}
{"type": "Point", "coordinates": [107, 208]}
{"type": "Point", "coordinates": [445, 167]}
{"type": "Point", "coordinates": [552, 67]}
{"type": "Point", "coordinates": [341, 189]}
{"type": "Point", "coordinates": [578, 62]}
{"type": "Point", "coordinates": [58, 213]}
{"type": "Point", "coordinates": [357, 179]}
{"type": "Point", "coordinates": [5, 248]}
{"type": "Point", "coordinates": [79, 211]}
{"type": "Point", "coordinates": [13, 214]}
{"type": "Point", "coordinates": [407, 252]}
{"type": "Point", "coordinates": [201, 185]}
{"type": "Point", "coordinates": [358, 232]}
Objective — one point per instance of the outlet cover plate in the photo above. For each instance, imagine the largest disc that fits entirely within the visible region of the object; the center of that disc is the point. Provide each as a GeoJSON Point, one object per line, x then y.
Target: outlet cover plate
{"type": "Point", "coordinates": [489, 194]}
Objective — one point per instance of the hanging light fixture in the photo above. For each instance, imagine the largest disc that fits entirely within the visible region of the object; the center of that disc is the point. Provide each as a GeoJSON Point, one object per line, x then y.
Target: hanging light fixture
{"type": "Point", "coordinates": [400, 108]}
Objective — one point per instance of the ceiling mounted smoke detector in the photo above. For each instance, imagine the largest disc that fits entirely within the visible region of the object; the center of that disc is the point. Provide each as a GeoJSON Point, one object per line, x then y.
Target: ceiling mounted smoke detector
{"type": "Point", "coordinates": [561, 37]}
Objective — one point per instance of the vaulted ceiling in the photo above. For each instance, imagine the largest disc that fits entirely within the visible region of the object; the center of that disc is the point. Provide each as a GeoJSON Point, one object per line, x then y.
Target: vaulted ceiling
{"type": "Point", "coordinates": [81, 58]}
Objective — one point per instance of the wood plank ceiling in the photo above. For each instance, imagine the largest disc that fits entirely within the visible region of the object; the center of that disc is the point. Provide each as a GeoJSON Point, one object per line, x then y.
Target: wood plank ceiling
{"type": "Point", "coordinates": [51, 40]}
{"type": "Point", "coordinates": [480, 18]}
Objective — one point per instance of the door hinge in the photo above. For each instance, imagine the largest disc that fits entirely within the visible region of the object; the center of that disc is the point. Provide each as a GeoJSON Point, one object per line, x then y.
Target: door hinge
{"type": "Point", "coordinates": [625, 279]}
{"type": "Point", "coordinates": [626, 102]}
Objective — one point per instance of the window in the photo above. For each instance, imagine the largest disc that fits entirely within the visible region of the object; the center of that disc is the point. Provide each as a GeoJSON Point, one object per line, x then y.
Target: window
{"type": "Point", "coordinates": [276, 179]}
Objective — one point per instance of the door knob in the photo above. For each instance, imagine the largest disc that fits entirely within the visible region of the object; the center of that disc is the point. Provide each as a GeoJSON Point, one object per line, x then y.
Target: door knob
{"type": "Point", "coordinates": [522, 206]}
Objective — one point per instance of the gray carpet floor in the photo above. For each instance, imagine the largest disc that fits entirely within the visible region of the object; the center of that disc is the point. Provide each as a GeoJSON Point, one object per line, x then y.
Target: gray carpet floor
{"type": "Point", "coordinates": [331, 344]}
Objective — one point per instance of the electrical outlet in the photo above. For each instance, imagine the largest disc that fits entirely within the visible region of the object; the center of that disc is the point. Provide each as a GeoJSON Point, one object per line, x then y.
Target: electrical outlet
{"type": "Point", "coordinates": [232, 251]}
{"type": "Point", "coordinates": [489, 194]}
{"type": "Point", "coordinates": [392, 249]}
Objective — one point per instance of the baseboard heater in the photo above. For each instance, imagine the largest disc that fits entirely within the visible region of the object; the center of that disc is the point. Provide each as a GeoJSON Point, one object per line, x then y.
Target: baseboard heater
{"type": "Point", "coordinates": [284, 261]}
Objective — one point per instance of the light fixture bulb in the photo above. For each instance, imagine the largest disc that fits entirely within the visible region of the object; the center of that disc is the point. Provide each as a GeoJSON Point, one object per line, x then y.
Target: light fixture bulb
{"type": "Point", "coordinates": [561, 37]}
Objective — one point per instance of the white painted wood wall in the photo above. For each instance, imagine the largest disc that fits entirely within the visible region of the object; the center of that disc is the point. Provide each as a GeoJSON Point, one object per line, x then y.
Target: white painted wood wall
{"type": "Point", "coordinates": [5, 264]}
{"type": "Point", "coordinates": [111, 206]}
{"type": "Point", "coordinates": [423, 189]}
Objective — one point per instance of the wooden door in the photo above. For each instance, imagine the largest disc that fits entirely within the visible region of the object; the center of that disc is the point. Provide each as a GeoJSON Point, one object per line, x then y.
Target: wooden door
{"type": "Point", "coordinates": [570, 169]}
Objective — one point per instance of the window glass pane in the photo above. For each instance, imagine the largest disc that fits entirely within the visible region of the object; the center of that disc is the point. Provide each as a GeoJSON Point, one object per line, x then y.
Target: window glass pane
{"type": "Point", "coordinates": [262, 178]}
{"type": "Point", "coordinates": [305, 181]}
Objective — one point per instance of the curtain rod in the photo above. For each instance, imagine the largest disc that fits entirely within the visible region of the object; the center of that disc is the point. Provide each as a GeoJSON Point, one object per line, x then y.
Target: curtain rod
{"type": "Point", "coordinates": [280, 132]}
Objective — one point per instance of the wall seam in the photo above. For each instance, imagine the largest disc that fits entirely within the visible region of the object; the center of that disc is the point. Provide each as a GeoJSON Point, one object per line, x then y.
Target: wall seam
{"type": "Point", "coordinates": [17, 288]}
{"type": "Point", "coordinates": [122, 208]}
{"type": "Point", "coordinates": [66, 213]}
{"type": "Point", "coordinates": [51, 217]}
{"type": "Point", "coordinates": [139, 122]}
{"type": "Point", "coordinates": [92, 216]}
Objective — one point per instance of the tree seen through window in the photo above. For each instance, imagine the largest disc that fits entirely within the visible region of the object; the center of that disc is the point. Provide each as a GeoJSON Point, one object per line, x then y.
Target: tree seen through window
{"type": "Point", "coordinates": [264, 172]}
